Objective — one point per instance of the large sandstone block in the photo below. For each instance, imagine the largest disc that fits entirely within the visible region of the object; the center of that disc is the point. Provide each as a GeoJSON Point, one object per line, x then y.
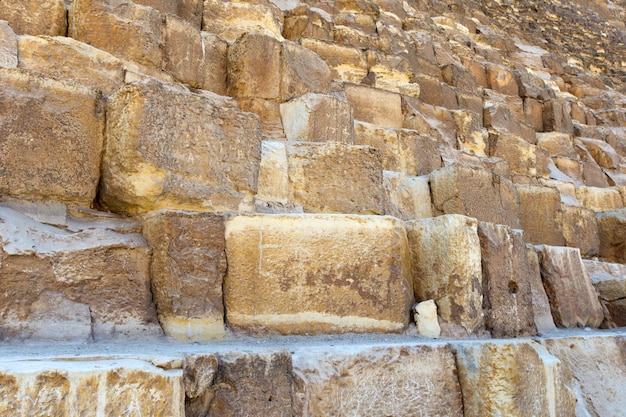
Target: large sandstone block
{"type": "Point", "coordinates": [609, 280]}
{"type": "Point", "coordinates": [8, 46]}
{"type": "Point", "coordinates": [506, 283]}
{"type": "Point", "coordinates": [307, 22]}
{"type": "Point", "coordinates": [580, 229]}
{"type": "Point", "coordinates": [189, 10]}
{"type": "Point", "coordinates": [446, 267]}
{"type": "Point", "coordinates": [557, 116]}
{"type": "Point", "coordinates": [540, 302]}
{"type": "Point", "coordinates": [112, 387]}
{"type": "Point", "coordinates": [93, 283]}
{"type": "Point", "coordinates": [612, 231]}
{"type": "Point", "coordinates": [347, 63]}
{"type": "Point", "coordinates": [167, 148]}
{"type": "Point", "coordinates": [309, 274]}
{"type": "Point", "coordinates": [63, 57]}
{"type": "Point", "coordinates": [540, 214]}
{"type": "Point", "coordinates": [188, 268]}
{"type": "Point", "coordinates": [523, 158]}
{"type": "Point", "coordinates": [407, 197]}
{"type": "Point", "coordinates": [406, 381]}
{"type": "Point", "coordinates": [231, 19]}
{"type": "Point", "coordinates": [573, 299]}
{"type": "Point", "coordinates": [475, 192]}
{"type": "Point", "coordinates": [514, 379]}
{"type": "Point", "coordinates": [35, 17]}
{"type": "Point", "coordinates": [51, 138]}
{"type": "Point", "coordinates": [375, 106]}
{"type": "Point", "coordinates": [600, 199]}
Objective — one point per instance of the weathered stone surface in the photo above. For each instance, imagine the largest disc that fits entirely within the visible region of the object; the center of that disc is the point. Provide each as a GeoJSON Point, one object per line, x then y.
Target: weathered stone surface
{"type": "Point", "coordinates": [602, 152]}
{"type": "Point", "coordinates": [580, 229]}
{"type": "Point", "coordinates": [557, 144]}
{"type": "Point", "coordinates": [249, 384]}
{"type": "Point", "coordinates": [347, 63]}
{"type": "Point", "coordinates": [540, 303]}
{"type": "Point", "coordinates": [94, 277]}
{"type": "Point", "coordinates": [308, 274]}
{"type": "Point", "coordinates": [426, 320]}
{"type": "Point", "coordinates": [377, 381]}
{"type": "Point", "coordinates": [502, 80]}
{"type": "Point", "coordinates": [8, 46]}
{"type": "Point", "coordinates": [188, 268]}
{"type": "Point", "coordinates": [273, 173]}
{"type": "Point", "coordinates": [231, 19]}
{"type": "Point", "coordinates": [600, 199]}
{"type": "Point", "coordinates": [507, 296]}
{"type": "Point", "coordinates": [612, 231]}
{"type": "Point", "coordinates": [375, 106]}
{"type": "Point", "coordinates": [202, 155]}
{"type": "Point", "coordinates": [512, 379]}
{"type": "Point", "coordinates": [609, 280]}
{"type": "Point", "coordinates": [63, 57]}
{"type": "Point", "coordinates": [446, 267]}
{"type": "Point", "coordinates": [198, 376]}
{"type": "Point", "coordinates": [540, 214]}
{"type": "Point", "coordinates": [407, 197]}
{"type": "Point", "coordinates": [307, 22]}
{"type": "Point", "coordinates": [475, 192]}
{"type": "Point", "coordinates": [91, 388]}
{"type": "Point", "coordinates": [335, 177]}
{"type": "Point", "coordinates": [594, 368]}
{"type": "Point", "coordinates": [40, 117]}
{"type": "Point", "coordinates": [189, 10]}
{"type": "Point", "coordinates": [573, 300]}
{"type": "Point", "coordinates": [556, 116]}
{"type": "Point", "coordinates": [522, 157]}
{"type": "Point", "coordinates": [45, 17]}
{"type": "Point", "coordinates": [318, 118]}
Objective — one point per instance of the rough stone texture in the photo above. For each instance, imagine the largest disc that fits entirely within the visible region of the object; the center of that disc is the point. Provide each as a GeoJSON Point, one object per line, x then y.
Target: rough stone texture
{"type": "Point", "coordinates": [335, 177]}
{"type": "Point", "coordinates": [346, 63]}
{"type": "Point", "coordinates": [375, 106]}
{"type": "Point", "coordinates": [446, 267]}
{"type": "Point", "coordinates": [63, 57]}
{"type": "Point", "coordinates": [230, 19]}
{"type": "Point", "coordinates": [426, 320]}
{"type": "Point", "coordinates": [318, 118]}
{"type": "Point", "coordinates": [307, 22]}
{"type": "Point", "coordinates": [573, 300]}
{"type": "Point", "coordinates": [273, 182]}
{"type": "Point", "coordinates": [8, 46]}
{"type": "Point", "coordinates": [609, 280]}
{"type": "Point", "coordinates": [540, 303]}
{"type": "Point", "coordinates": [512, 379]}
{"type": "Point", "coordinates": [40, 117]}
{"type": "Point", "coordinates": [188, 268]}
{"type": "Point", "coordinates": [407, 198]}
{"type": "Point", "coordinates": [612, 231]}
{"type": "Point", "coordinates": [90, 388]}
{"type": "Point", "coordinates": [595, 370]}
{"type": "Point", "coordinates": [198, 376]}
{"type": "Point", "coordinates": [45, 17]}
{"type": "Point", "coordinates": [475, 192]}
{"type": "Point", "coordinates": [248, 384]}
{"type": "Point", "coordinates": [580, 229]}
{"type": "Point", "coordinates": [209, 162]}
{"type": "Point", "coordinates": [540, 214]}
{"type": "Point", "coordinates": [308, 274]}
{"type": "Point", "coordinates": [94, 283]}
{"type": "Point", "coordinates": [189, 10]}
{"type": "Point", "coordinates": [377, 381]}
{"type": "Point", "coordinates": [522, 157]}
{"type": "Point", "coordinates": [507, 296]}
{"type": "Point", "coordinates": [600, 199]}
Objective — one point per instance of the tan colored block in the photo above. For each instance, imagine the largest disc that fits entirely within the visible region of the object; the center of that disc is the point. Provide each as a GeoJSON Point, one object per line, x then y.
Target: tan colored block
{"type": "Point", "coordinates": [93, 283]}
{"type": "Point", "coordinates": [209, 162]}
{"type": "Point", "coordinates": [446, 267]}
{"type": "Point", "coordinates": [318, 118]}
{"type": "Point", "coordinates": [514, 379]}
{"type": "Point", "coordinates": [284, 275]}
{"type": "Point", "coordinates": [27, 17]}
{"type": "Point", "coordinates": [189, 10]}
{"type": "Point", "coordinates": [430, 89]}
{"type": "Point", "coordinates": [375, 106]}
{"type": "Point", "coordinates": [540, 302]}
{"type": "Point", "coordinates": [347, 63]}
{"type": "Point", "coordinates": [52, 138]}
{"type": "Point", "coordinates": [502, 80]}
{"type": "Point", "coordinates": [573, 300]}
{"type": "Point", "coordinates": [307, 22]}
{"type": "Point", "coordinates": [376, 381]}
{"type": "Point", "coordinates": [522, 157]}
{"type": "Point", "coordinates": [503, 113]}
{"type": "Point", "coordinates": [602, 153]}
{"type": "Point", "coordinates": [273, 173]}
{"type": "Point", "coordinates": [8, 46]}
{"type": "Point", "coordinates": [600, 199]}
{"type": "Point", "coordinates": [302, 72]}
{"type": "Point", "coordinates": [407, 197]}
{"type": "Point", "coordinates": [540, 214]}
{"type": "Point", "coordinates": [269, 113]}
{"type": "Point", "coordinates": [557, 144]}
{"type": "Point", "coordinates": [612, 231]}
{"type": "Point", "coordinates": [333, 177]}
{"type": "Point", "coordinates": [556, 116]}
{"type": "Point", "coordinates": [188, 268]}
{"type": "Point", "coordinates": [231, 19]}
{"type": "Point", "coordinates": [580, 229]}
{"type": "Point", "coordinates": [609, 280]}
{"type": "Point", "coordinates": [458, 76]}
{"type": "Point", "coordinates": [199, 372]}
{"type": "Point", "coordinates": [533, 113]}
{"type": "Point", "coordinates": [63, 57]}
{"type": "Point", "coordinates": [426, 319]}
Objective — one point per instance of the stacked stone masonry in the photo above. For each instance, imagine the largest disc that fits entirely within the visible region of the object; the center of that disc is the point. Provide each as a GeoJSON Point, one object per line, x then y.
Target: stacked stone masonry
{"type": "Point", "coordinates": [289, 172]}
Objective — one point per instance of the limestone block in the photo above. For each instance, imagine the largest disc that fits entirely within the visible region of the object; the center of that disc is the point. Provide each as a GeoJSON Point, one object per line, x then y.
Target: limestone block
{"type": "Point", "coordinates": [503, 114]}
{"type": "Point", "coordinates": [594, 369]}
{"type": "Point", "coordinates": [230, 19]}
{"type": "Point", "coordinates": [63, 57]}
{"type": "Point", "coordinates": [602, 153]}
{"type": "Point", "coordinates": [249, 384]}
{"type": "Point", "coordinates": [188, 268]}
{"type": "Point", "coordinates": [318, 118]}
{"type": "Point", "coordinates": [199, 372]}
{"type": "Point", "coordinates": [573, 300]}
{"type": "Point", "coordinates": [335, 177]}
{"type": "Point", "coordinates": [532, 86]}
{"type": "Point", "coordinates": [28, 17]}
{"type": "Point", "coordinates": [273, 173]}
{"type": "Point", "coordinates": [302, 71]}
{"type": "Point", "coordinates": [269, 113]}
{"type": "Point", "coordinates": [68, 280]}
{"type": "Point", "coordinates": [475, 192]}
{"type": "Point", "coordinates": [426, 321]}
{"type": "Point", "coordinates": [52, 138]}
{"type": "Point", "coordinates": [609, 280]}
{"type": "Point", "coordinates": [347, 63]}
{"type": "Point", "coordinates": [458, 76]}
{"type": "Point", "coordinates": [557, 144]}
{"type": "Point", "coordinates": [430, 89]}
{"type": "Point", "coordinates": [309, 274]}
{"type": "Point", "coordinates": [592, 174]}
{"type": "Point", "coordinates": [376, 381]}
{"type": "Point", "coordinates": [580, 229]}
{"type": "Point", "coordinates": [540, 302]}
{"type": "Point", "coordinates": [89, 388]}
{"type": "Point", "coordinates": [502, 80]}
{"type": "Point", "coordinates": [189, 10]}
{"type": "Point", "coordinates": [130, 32]}
{"type": "Point", "coordinates": [523, 158]}
{"type": "Point", "coordinates": [202, 155]}
{"type": "Point", "coordinates": [375, 106]}
{"type": "Point", "coordinates": [533, 113]}
{"type": "Point", "coordinates": [307, 22]}
{"type": "Point", "coordinates": [556, 116]}
{"type": "Point", "coordinates": [196, 58]}
{"type": "Point", "coordinates": [612, 231]}
{"type": "Point", "coordinates": [540, 214]}
{"type": "Point", "coordinates": [514, 379]}
{"type": "Point", "coordinates": [8, 46]}
{"type": "Point", "coordinates": [407, 197]}
{"type": "Point", "coordinates": [600, 199]}
{"type": "Point", "coordinates": [506, 281]}
{"type": "Point", "coordinates": [477, 68]}
{"type": "Point", "coordinates": [446, 267]}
